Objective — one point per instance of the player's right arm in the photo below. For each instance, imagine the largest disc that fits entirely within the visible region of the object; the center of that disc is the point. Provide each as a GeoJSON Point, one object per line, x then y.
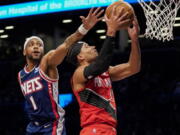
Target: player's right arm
{"type": "Point", "coordinates": [133, 66]}
{"type": "Point", "coordinates": [52, 59]}
{"type": "Point", "coordinates": [102, 62]}
{"type": "Point", "coordinates": [57, 56]}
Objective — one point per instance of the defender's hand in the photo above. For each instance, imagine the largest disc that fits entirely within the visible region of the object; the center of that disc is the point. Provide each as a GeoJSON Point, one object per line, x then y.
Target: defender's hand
{"type": "Point", "coordinates": [92, 18]}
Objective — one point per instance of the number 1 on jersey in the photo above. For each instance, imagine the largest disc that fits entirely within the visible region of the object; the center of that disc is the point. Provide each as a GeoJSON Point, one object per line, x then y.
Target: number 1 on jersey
{"type": "Point", "coordinates": [33, 103]}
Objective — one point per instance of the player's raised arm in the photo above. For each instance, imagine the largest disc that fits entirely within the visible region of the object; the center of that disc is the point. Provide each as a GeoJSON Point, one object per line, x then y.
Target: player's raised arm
{"type": "Point", "coordinates": [101, 63]}
{"type": "Point", "coordinates": [56, 56]}
{"type": "Point", "coordinates": [133, 66]}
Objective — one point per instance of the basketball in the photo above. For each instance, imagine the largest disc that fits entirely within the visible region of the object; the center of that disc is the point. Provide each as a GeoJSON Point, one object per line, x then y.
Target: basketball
{"type": "Point", "coordinates": [118, 5]}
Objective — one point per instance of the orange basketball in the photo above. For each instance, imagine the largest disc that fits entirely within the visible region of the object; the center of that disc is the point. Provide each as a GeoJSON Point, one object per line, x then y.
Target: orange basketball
{"type": "Point", "coordinates": [118, 5]}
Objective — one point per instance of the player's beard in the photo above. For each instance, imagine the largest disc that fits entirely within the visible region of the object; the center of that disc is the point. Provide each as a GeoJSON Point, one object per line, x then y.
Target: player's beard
{"type": "Point", "coordinates": [35, 60]}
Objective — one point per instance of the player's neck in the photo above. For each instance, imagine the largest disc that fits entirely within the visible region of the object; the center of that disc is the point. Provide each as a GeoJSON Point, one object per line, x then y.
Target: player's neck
{"type": "Point", "coordinates": [31, 65]}
{"type": "Point", "coordinates": [83, 63]}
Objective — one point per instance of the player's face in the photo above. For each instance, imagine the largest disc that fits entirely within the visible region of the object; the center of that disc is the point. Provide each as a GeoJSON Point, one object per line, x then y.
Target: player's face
{"type": "Point", "coordinates": [34, 50]}
{"type": "Point", "coordinates": [89, 53]}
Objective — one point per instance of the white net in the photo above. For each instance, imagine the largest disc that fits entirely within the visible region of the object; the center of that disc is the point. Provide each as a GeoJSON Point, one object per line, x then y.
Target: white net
{"type": "Point", "coordinates": [160, 18]}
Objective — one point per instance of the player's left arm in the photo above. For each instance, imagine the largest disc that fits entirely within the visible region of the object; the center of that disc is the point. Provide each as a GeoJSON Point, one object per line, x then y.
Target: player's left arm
{"type": "Point", "coordinates": [133, 66]}
{"type": "Point", "coordinates": [57, 56]}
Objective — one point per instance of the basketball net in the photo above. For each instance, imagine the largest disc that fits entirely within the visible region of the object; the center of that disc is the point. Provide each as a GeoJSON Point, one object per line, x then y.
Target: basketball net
{"type": "Point", "coordinates": [160, 18]}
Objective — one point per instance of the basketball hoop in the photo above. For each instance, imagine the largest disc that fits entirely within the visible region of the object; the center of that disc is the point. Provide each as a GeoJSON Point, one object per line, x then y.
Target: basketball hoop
{"type": "Point", "coordinates": [160, 18]}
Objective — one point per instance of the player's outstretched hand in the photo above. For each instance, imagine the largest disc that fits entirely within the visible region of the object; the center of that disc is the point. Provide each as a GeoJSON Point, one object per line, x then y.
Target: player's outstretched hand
{"type": "Point", "coordinates": [92, 18]}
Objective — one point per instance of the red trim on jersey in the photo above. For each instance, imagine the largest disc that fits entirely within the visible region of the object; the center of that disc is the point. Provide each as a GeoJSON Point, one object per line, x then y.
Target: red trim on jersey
{"type": "Point", "coordinates": [44, 76]}
{"type": "Point", "coordinates": [19, 80]}
{"type": "Point", "coordinates": [54, 131]}
{"type": "Point", "coordinates": [27, 72]}
{"type": "Point", "coordinates": [54, 107]}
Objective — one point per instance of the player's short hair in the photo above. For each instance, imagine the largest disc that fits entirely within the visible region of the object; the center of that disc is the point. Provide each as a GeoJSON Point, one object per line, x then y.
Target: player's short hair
{"type": "Point", "coordinates": [73, 52]}
{"type": "Point", "coordinates": [30, 38]}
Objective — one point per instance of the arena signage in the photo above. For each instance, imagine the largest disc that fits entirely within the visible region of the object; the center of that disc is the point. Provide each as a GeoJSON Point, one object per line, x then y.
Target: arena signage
{"type": "Point", "coordinates": [50, 6]}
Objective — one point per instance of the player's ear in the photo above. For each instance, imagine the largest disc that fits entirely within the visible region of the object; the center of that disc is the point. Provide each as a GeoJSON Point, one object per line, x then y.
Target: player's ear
{"type": "Point", "coordinates": [80, 57]}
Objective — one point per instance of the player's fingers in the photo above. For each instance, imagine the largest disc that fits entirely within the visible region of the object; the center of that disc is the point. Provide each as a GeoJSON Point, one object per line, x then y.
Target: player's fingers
{"type": "Point", "coordinates": [125, 21]}
{"type": "Point", "coordinates": [129, 29]}
{"type": "Point", "coordinates": [91, 11]}
{"type": "Point", "coordinates": [113, 11]}
{"type": "Point", "coordinates": [96, 11]}
{"type": "Point", "coordinates": [100, 13]}
{"type": "Point", "coordinates": [105, 18]}
{"type": "Point", "coordinates": [120, 12]}
{"type": "Point", "coordinates": [135, 21]}
{"type": "Point", "coordinates": [82, 18]}
{"type": "Point", "coordinates": [136, 24]}
{"type": "Point", "coordinates": [101, 18]}
{"type": "Point", "coordinates": [123, 16]}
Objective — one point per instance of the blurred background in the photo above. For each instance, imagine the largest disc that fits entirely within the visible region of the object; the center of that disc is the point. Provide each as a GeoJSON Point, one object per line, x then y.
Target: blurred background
{"type": "Point", "coordinates": [148, 103]}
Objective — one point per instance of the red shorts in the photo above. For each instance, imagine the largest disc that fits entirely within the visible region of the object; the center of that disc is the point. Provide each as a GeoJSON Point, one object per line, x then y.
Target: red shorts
{"type": "Point", "coordinates": [98, 129]}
